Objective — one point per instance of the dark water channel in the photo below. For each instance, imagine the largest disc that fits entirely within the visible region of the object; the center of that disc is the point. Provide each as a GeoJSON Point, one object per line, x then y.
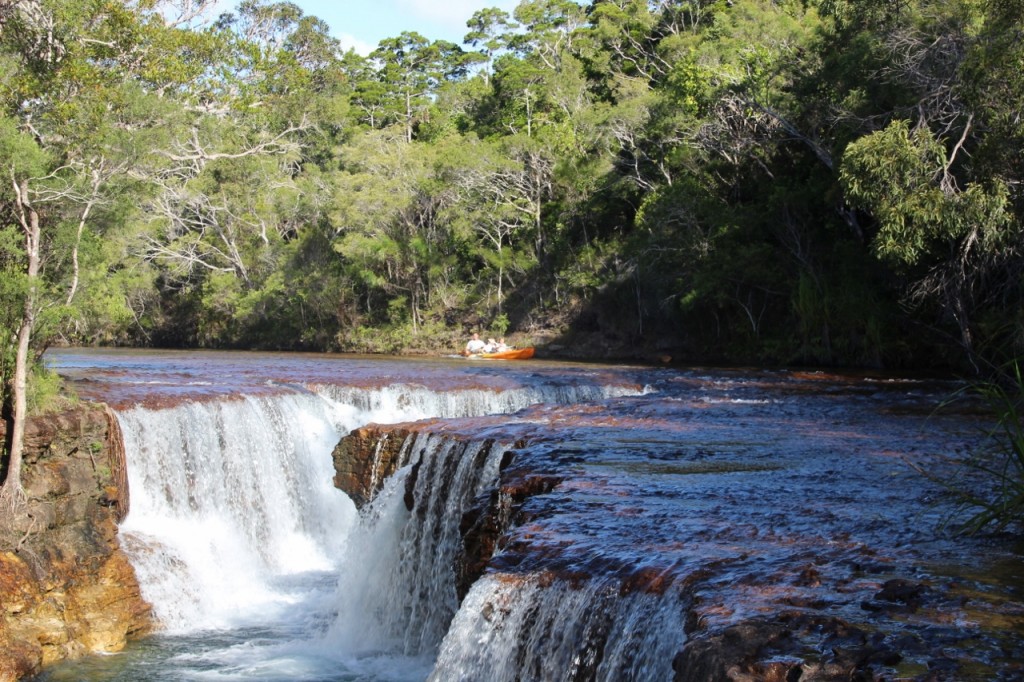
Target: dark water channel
{"type": "Point", "coordinates": [655, 523]}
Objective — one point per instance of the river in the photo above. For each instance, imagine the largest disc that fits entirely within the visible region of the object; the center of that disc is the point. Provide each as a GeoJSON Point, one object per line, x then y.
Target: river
{"type": "Point", "coordinates": [676, 504]}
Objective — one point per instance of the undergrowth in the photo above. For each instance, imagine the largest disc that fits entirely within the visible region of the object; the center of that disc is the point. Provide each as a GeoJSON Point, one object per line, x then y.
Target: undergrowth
{"type": "Point", "coordinates": [999, 504]}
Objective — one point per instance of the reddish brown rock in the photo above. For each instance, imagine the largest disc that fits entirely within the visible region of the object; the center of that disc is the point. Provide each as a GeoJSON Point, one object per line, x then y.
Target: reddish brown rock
{"type": "Point", "coordinates": [365, 458]}
{"type": "Point", "coordinates": [782, 571]}
{"type": "Point", "coordinates": [66, 588]}
{"type": "Point", "coordinates": [484, 525]}
{"type": "Point", "coordinates": [806, 647]}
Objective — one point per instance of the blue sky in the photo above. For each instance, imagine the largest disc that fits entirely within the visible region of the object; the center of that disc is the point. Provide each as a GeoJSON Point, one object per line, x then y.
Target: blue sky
{"type": "Point", "coordinates": [363, 23]}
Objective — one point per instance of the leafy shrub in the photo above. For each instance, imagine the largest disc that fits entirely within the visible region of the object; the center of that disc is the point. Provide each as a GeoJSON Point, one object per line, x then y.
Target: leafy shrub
{"type": "Point", "coordinates": [45, 391]}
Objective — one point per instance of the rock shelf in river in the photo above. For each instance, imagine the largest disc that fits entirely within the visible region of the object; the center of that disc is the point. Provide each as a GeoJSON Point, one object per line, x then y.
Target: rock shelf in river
{"type": "Point", "coordinates": [791, 535]}
{"type": "Point", "coordinates": [604, 523]}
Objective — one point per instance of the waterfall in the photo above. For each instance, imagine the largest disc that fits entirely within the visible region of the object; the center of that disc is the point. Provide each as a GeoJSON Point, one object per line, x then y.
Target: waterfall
{"type": "Point", "coordinates": [228, 497]}
{"type": "Point", "coordinates": [235, 525]}
{"type": "Point", "coordinates": [514, 627]}
{"type": "Point", "coordinates": [258, 568]}
{"type": "Point", "coordinates": [400, 595]}
{"type": "Point", "coordinates": [414, 402]}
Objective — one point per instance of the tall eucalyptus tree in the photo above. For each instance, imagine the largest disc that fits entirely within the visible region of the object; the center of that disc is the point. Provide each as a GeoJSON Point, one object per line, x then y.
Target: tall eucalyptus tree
{"type": "Point", "coordinates": [409, 70]}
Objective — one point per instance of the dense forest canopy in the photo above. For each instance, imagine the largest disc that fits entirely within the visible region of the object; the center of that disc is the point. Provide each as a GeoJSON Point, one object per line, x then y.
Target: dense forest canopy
{"type": "Point", "coordinates": [790, 181]}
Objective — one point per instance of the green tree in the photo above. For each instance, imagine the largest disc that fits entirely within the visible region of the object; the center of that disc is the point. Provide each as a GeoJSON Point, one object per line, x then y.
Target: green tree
{"type": "Point", "coordinates": [23, 162]}
{"type": "Point", "coordinates": [389, 235]}
{"type": "Point", "coordinates": [495, 206]}
{"type": "Point", "coordinates": [489, 29]}
{"type": "Point", "coordinates": [70, 115]}
{"type": "Point", "coordinates": [548, 29]}
{"type": "Point", "coordinates": [410, 69]}
{"type": "Point", "coordinates": [903, 179]}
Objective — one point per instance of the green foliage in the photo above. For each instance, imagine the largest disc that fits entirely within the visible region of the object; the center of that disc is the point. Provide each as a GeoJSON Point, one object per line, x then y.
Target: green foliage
{"type": "Point", "coordinates": [45, 390]}
{"type": "Point", "coordinates": [995, 501]}
{"type": "Point", "coordinates": [377, 339]}
{"type": "Point", "coordinates": [500, 324]}
{"type": "Point", "coordinates": [20, 154]}
{"type": "Point", "coordinates": [749, 181]}
{"type": "Point", "coordinates": [13, 286]}
{"type": "Point", "coordinates": [895, 173]}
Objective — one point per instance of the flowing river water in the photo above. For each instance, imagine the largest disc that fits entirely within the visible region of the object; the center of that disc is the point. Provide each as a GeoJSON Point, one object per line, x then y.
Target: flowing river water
{"type": "Point", "coordinates": [640, 512]}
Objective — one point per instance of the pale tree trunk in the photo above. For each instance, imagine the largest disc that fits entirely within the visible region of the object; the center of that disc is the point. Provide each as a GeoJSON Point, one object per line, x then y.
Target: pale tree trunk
{"type": "Point", "coordinates": [12, 494]}
{"type": "Point", "coordinates": [501, 275]}
{"type": "Point", "coordinates": [529, 114]}
{"type": "Point", "coordinates": [73, 289]}
{"type": "Point", "coordinates": [408, 116]}
{"type": "Point", "coordinates": [414, 309]}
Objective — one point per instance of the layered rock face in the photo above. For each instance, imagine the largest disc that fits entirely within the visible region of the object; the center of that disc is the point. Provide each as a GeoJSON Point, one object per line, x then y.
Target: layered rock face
{"type": "Point", "coordinates": [365, 458]}
{"type": "Point", "coordinates": [66, 589]}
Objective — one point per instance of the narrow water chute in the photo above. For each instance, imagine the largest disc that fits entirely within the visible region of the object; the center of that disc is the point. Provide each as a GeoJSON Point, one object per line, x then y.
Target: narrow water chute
{"type": "Point", "coordinates": [400, 595]}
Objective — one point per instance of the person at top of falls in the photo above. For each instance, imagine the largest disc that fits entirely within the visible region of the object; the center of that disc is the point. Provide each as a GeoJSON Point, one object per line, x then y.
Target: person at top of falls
{"type": "Point", "coordinates": [475, 345]}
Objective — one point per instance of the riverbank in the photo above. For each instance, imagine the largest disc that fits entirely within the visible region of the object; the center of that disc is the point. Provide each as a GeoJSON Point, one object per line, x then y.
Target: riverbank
{"type": "Point", "coordinates": [550, 344]}
{"type": "Point", "coordinates": [66, 588]}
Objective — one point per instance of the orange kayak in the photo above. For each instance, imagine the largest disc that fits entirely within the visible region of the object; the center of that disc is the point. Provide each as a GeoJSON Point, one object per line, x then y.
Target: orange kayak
{"type": "Point", "coordinates": [512, 354]}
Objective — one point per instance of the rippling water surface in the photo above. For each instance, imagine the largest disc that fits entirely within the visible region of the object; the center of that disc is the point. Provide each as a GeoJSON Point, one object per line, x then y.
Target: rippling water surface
{"type": "Point", "coordinates": [675, 502]}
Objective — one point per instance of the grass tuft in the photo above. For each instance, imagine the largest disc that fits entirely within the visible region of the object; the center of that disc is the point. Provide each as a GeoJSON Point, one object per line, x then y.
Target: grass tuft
{"type": "Point", "coordinates": [1001, 504]}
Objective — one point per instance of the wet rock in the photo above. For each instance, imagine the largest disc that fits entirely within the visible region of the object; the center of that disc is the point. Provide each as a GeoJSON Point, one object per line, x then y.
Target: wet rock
{"type": "Point", "coordinates": [903, 591]}
{"type": "Point", "coordinates": [365, 458]}
{"type": "Point", "coordinates": [409, 497]}
{"type": "Point", "coordinates": [789, 647]}
{"type": "Point", "coordinates": [66, 589]}
{"type": "Point", "coordinates": [481, 526]}
{"type": "Point", "coordinates": [782, 551]}
{"type": "Point", "coordinates": [898, 594]}
{"type": "Point", "coordinates": [943, 668]}
{"type": "Point", "coordinates": [487, 521]}
{"type": "Point", "coordinates": [809, 577]}
{"type": "Point", "coordinates": [741, 652]}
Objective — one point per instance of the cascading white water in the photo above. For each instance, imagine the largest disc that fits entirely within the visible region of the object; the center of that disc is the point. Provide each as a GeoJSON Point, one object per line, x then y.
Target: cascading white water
{"type": "Point", "coordinates": [229, 496]}
{"type": "Point", "coordinates": [226, 497]}
{"type": "Point", "coordinates": [524, 627]}
{"type": "Point", "coordinates": [235, 526]}
{"type": "Point", "coordinates": [401, 596]}
{"type": "Point", "coordinates": [234, 519]}
{"type": "Point", "coordinates": [408, 403]}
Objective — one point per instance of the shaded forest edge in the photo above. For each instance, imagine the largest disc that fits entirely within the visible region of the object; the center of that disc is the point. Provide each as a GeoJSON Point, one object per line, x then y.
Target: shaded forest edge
{"type": "Point", "coordinates": [805, 182]}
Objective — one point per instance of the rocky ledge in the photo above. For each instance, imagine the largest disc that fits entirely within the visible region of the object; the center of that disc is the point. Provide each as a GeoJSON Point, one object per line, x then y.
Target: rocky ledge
{"type": "Point", "coordinates": [66, 589]}
{"type": "Point", "coordinates": [786, 529]}
{"type": "Point", "coordinates": [366, 457]}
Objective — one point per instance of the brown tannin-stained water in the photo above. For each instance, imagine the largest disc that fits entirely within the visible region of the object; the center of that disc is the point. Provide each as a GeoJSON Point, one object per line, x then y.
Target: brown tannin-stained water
{"type": "Point", "coordinates": [548, 521]}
